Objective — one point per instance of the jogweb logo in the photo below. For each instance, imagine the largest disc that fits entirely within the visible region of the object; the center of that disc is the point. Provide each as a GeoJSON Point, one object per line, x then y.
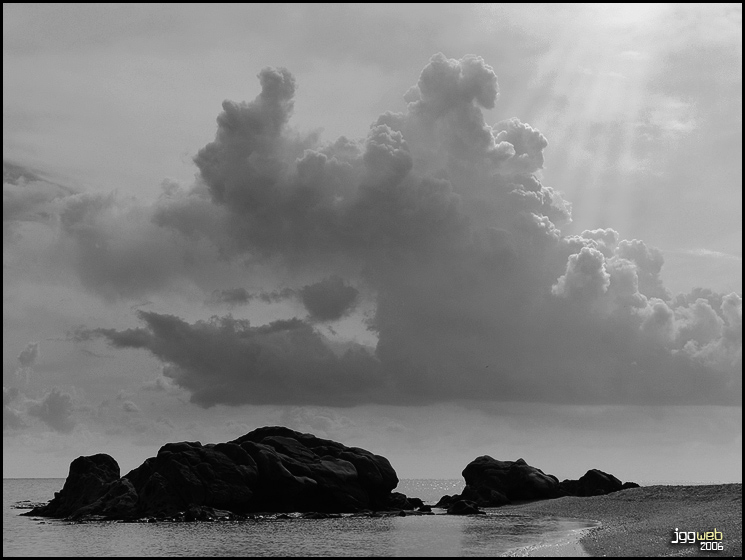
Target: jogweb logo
{"type": "Point", "coordinates": [706, 540]}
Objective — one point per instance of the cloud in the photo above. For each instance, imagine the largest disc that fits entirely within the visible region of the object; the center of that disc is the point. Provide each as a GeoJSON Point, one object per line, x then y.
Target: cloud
{"type": "Point", "coordinates": [241, 166]}
{"type": "Point", "coordinates": [447, 84]}
{"type": "Point", "coordinates": [649, 261]}
{"type": "Point", "coordinates": [12, 418]}
{"type": "Point", "coordinates": [240, 296]}
{"type": "Point", "coordinates": [162, 383]}
{"type": "Point", "coordinates": [227, 361]}
{"type": "Point", "coordinates": [442, 221]}
{"type": "Point", "coordinates": [322, 421]}
{"type": "Point", "coordinates": [28, 355]}
{"type": "Point", "coordinates": [117, 250]}
{"type": "Point", "coordinates": [129, 406]}
{"type": "Point", "coordinates": [672, 116]}
{"type": "Point", "coordinates": [585, 277]}
{"type": "Point", "coordinates": [28, 198]}
{"type": "Point", "coordinates": [55, 410]}
{"type": "Point", "coordinates": [231, 296]}
{"type": "Point", "coordinates": [329, 300]}
{"type": "Point", "coordinates": [714, 254]}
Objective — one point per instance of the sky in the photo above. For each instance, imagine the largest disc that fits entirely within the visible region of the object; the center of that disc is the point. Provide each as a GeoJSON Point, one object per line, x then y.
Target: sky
{"type": "Point", "coordinates": [432, 231]}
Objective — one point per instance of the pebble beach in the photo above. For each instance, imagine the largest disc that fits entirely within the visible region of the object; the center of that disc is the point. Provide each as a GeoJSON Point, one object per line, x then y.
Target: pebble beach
{"type": "Point", "coordinates": [641, 521]}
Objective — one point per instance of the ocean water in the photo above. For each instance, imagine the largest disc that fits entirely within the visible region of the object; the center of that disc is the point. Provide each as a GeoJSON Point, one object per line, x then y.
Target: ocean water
{"type": "Point", "coordinates": [497, 533]}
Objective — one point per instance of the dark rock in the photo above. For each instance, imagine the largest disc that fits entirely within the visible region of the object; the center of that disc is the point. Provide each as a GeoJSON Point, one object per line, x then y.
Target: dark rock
{"type": "Point", "coordinates": [119, 500]}
{"type": "Point", "coordinates": [272, 469]}
{"type": "Point", "coordinates": [464, 507]}
{"type": "Point", "coordinates": [484, 496]}
{"type": "Point", "coordinates": [594, 483]}
{"type": "Point", "coordinates": [397, 500]}
{"type": "Point", "coordinates": [447, 500]}
{"type": "Point", "coordinates": [90, 478]}
{"type": "Point", "coordinates": [311, 473]}
{"type": "Point", "coordinates": [195, 513]}
{"type": "Point", "coordinates": [317, 515]}
{"type": "Point", "coordinates": [569, 488]}
{"type": "Point", "coordinates": [492, 483]}
{"type": "Point", "coordinates": [415, 503]}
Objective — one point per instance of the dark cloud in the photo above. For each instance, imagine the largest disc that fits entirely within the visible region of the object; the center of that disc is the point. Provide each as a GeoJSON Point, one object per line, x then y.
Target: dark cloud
{"type": "Point", "coordinates": [55, 410]}
{"type": "Point", "coordinates": [330, 299]}
{"type": "Point", "coordinates": [241, 296]}
{"type": "Point", "coordinates": [227, 361]}
{"type": "Point", "coordinates": [231, 296]}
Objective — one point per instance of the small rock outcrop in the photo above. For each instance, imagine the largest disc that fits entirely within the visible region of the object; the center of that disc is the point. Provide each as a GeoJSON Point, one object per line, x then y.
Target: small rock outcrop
{"type": "Point", "coordinates": [464, 507]}
{"type": "Point", "coordinates": [493, 483]}
{"type": "Point", "coordinates": [594, 483]}
{"type": "Point", "coordinates": [89, 480]}
{"type": "Point", "coordinates": [271, 469]}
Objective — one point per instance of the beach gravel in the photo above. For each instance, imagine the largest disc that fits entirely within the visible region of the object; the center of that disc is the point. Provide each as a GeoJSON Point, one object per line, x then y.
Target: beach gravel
{"type": "Point", "coordinates": [641, 521]}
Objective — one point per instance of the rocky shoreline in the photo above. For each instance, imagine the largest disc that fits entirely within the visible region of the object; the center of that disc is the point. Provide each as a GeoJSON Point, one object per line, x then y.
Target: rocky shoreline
{"type": "Point", "coordinates": [271, 469]}
{"type": "Point", "coordinates": [275, 470]}
{"type": "Point", "coordinates": [277, 473]}
{"type": "Point", "coordinates": [493, 483]}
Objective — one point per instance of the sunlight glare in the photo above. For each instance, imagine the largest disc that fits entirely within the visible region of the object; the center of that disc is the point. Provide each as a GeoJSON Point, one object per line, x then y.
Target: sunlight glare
{"type": "Point", "coordinates": [628, 13]}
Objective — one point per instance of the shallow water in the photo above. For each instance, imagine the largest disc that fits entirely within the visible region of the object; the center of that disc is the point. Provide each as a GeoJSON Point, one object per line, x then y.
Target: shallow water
{"type": "Point", "coordinates": [496, 533]}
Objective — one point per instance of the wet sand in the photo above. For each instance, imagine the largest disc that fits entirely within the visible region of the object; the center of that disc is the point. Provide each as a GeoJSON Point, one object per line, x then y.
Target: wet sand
{"type": "Point", "coordinates": [641, 521]}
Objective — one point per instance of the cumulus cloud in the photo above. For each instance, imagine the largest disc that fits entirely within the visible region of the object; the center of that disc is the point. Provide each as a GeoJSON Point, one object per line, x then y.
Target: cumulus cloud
{"type": "Point", "coordinates": [586, 276]}
{"type": "Point", "coordinates": [442, 219]}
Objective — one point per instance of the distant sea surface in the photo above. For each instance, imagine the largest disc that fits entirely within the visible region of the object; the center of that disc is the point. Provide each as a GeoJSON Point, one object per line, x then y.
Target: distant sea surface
{"type": "Point", "coordinates": [427, 535]}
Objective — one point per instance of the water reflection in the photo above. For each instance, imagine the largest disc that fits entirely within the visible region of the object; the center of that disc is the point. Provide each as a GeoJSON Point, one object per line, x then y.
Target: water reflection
{"type": "Point", "coordinates": [512, 531]}
{"type": "Point", "coordinates": [426, 535]}
{"type": "Point", "coordinates": [479, 535]}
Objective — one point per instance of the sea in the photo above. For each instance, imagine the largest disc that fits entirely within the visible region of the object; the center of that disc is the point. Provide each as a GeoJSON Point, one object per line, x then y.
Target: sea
{"type": "Point", "coordinates": [498, 533]}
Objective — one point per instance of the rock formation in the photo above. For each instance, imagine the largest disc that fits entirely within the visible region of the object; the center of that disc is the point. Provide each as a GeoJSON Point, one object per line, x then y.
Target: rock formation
{"type": "Point", "coordinates": [275, 469]}
{"type": "Point", "coordinates": [271, 469]}
{"type": "Point", "coordinates": [594, 483]}
{"type": "Point", "coordinates": [493, 483]}
{"type": "Point", "coordinates": [464, 507]}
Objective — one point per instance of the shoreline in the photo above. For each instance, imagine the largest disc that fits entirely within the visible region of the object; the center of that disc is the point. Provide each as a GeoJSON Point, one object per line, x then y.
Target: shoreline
{"type": "Point", "coordinates": [568, 545]}
{"type": "Point", "coordinates": [641, 521]}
